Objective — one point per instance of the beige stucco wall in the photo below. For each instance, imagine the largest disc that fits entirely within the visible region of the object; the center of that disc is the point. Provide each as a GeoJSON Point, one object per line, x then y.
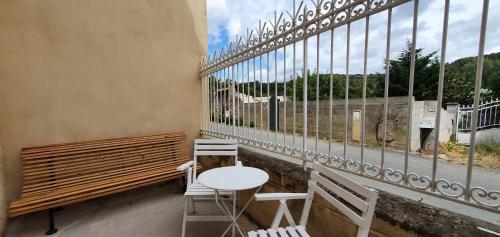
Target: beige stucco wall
{"type": "Point", "coordinates": [3, 201]}
{"type": "Point", "coordinates": [73, 70]}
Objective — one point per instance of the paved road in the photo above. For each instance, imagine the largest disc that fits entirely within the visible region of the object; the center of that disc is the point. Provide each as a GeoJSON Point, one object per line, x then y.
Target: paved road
{"type": "Point", "coordinates": [486, 178]}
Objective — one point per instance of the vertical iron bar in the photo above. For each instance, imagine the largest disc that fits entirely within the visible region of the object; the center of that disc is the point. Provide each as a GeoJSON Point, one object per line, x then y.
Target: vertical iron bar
{"type": "Point", "coordinates": [495, 113]}
{"type": "Point", "coordinates": [386, 91]}
{"type": "Point", "coordinates": [248, 92]}
{"type": "Point", "coordinates": [202, 102]}
{"type": "Point", "coordinates": [330, 102]}
{"type": "Point", "coordinates": [206, 99]}
{"type": "Point", "coordinates": [442, 60]}
{"type": "Point", "coordinates": [224, 99]}
{"type": "Point", "coordinates": [490, 110]}
{"type": "Point", "coordinates": [410, 89]}
{"type": "Point", "coordinates": [363, 106]}
{"type": "Point", "coordinates": [254, 103]}
{"type": "Point", "coordinates": [304, 96]}
{"type": "Point", "coordinates": [317, 94]}
{"type": "Point", "coordinates": [346, 99]}
{"type": "Point", "coordinates": [480, 115]}
{"type": "Point", "coordinates": [261, 97]}
{"type": "Point", "coordinates": [205, 102]}
{"type": "Point", "coordinates": [294, 96]}
{"type": "Point", "coordinates": [212, 100]}
{"type": "Point", "coordinates": [233, 109]}
{"type": "Point", "coordinates": [222, 74]}
{"type": "Point", "coordinates": [276, 96]}
{"type": "Point", "coordinates": [268, 102]}
{"type": "Point", "coordinates": [284, 95]}
{"type": "Point", "coordinates": [239, 98]}
{"type": "Point", "coordinates": [477, 94]}
{"type": "Point", "coordinates": [245, 98]}
{"type": "Point", "coordinates": [217, 99]}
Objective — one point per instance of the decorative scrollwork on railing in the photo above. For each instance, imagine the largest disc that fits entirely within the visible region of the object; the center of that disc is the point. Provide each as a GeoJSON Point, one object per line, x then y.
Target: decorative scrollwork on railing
{"type": "Point", "coordinates": [450, 189]}
{"type": "Point", "coordinates": [420, 182]}
{"type": "Point", "coordinates": [284, 29]}
{"type": "Point", "coordinates": [483, 197]}
{"type": "Point", "coordinates": [392, 175]}
{"type": "Point", "coordinates": [352, 165]}
{"type": "Point", "coordinates": [337, 162]}
{"type": "Point", "coordinates": [453, 190]}
{"type": "Point", "coordinates": [372, 170]}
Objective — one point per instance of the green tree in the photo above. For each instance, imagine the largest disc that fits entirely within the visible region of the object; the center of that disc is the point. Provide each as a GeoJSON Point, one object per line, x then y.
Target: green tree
{"type": "Point", "coordinates": [426, 74]}
{"type": "Point", "coordinates": [460, 78]}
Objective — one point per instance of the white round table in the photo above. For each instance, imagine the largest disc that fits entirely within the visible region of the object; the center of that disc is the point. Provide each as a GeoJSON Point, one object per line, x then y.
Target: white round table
{"type": "Point", "coordinates": [233, 178]}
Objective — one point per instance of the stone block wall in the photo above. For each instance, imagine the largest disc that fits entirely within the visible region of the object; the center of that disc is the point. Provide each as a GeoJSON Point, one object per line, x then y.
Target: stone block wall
{"type": "Point", "coordinates": [397, 117]}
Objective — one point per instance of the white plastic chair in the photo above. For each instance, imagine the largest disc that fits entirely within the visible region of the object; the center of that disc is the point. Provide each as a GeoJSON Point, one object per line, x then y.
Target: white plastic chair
{"type": "Point", "coordinates": [196, 191]}
{"type": "Point", "coordinates": [321, 183]}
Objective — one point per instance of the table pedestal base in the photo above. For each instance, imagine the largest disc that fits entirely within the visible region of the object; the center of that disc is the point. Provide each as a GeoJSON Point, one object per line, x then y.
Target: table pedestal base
{"type": "Point", "coordinates": [232, 214]}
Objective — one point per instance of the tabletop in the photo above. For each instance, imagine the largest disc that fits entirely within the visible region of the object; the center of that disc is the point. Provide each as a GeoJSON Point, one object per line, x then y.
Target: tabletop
{"type": "Point", "coordinates": [233, 178]}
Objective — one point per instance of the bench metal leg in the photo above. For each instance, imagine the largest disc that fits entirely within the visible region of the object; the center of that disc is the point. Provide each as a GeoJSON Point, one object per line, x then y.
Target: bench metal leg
{"type": "Point", "coordinates": [52, 228]}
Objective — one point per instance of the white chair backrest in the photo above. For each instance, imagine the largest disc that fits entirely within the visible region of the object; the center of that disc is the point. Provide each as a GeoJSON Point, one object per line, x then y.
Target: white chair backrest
{"type": "Point", "coordinates": [214, 147]}
{"type": "Point", "coordinates": [321, 183]}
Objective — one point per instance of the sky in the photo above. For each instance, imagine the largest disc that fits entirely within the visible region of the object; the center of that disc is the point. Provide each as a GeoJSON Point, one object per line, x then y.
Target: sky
{"type": "Point", "coordinates": [228, 18]}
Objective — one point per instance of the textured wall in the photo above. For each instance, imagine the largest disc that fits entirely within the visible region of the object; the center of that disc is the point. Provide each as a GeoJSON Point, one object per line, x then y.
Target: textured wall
{"type": "Point", "coordinates": [3, 199]}
{"type": "Point", "coordinates": [398, 107]}
{"type": "Point", "coordinates": [396, 129]}
{"type": "Point", "coordinates": [74, 70]}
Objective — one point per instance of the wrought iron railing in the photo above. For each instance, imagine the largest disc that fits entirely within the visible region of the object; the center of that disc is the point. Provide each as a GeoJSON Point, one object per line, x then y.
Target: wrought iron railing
{"type": "Point", "coordinates": [488, 116]}
{"type": "Point", "coordinates": [238, 82]}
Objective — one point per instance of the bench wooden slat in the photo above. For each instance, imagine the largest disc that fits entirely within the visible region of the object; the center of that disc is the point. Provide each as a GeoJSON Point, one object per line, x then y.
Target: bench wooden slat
{"type": "Point", "coordinates": [64, 171]}
{"type": "Point", "coordinates": [99, 184]}
{"type": "Point", "coordinates": [102, 142]}
{"type": "Point", "coordinates": [84, 150]}
{"type": "Point", "coordinates": [71, 157]}
{"type": "Point", "coordinates": [61, 174]}
{"type": "Point", "coordinates": [53, 185]}
{"type": "Point", "coordinates": [29, 154]}
{"type": "Point", "coordinates": [95, 194]}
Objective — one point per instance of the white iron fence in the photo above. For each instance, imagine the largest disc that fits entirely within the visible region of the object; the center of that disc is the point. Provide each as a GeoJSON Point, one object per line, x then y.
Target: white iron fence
{"type": "Point", "coordinates": [268, 62]}
{"type": "Point", "coordinates": [488, 122]}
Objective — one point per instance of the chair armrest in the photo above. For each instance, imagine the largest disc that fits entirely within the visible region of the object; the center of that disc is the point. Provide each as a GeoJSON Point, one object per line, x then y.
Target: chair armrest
{"type": "Point", "coordinates": [185, 166]}
{"type": "Point", "coordinates": [279, 196]}
{"type": "Point", "coordinates": [239, 163]}
{"type": "Point", "coordinates": [282, 209]}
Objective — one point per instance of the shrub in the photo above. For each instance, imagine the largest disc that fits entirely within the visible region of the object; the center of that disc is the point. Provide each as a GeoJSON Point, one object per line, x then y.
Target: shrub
{"type": "Point", "coordinates": [488, 147]}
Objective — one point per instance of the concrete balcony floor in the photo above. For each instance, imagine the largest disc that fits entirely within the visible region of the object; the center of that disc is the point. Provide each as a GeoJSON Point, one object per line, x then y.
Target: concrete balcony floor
{"type": "Point", "coordinates": [151, 211]}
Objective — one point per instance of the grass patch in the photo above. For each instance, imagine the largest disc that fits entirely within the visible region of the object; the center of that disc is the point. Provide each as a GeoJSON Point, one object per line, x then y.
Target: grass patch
{"type": "Point", "coordinates": [488, 147]}
{"type": "Point", "coordinates": [487, 154]}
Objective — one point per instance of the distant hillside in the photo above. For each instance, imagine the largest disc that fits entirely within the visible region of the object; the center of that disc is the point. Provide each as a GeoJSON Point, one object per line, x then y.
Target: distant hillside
{"type": "Point", "coordinates": [458, 87]}
{"type": "Point", "coordinates": [461, 76]}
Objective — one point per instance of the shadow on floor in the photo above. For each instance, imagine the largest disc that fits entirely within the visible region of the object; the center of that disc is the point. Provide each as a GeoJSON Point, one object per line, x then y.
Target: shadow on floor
{"type": "Point", "coordinates": [151, 211]}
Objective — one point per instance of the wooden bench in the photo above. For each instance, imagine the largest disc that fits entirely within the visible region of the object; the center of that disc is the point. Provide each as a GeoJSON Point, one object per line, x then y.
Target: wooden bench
{"type": "Point", "coordinates": [62, 174]}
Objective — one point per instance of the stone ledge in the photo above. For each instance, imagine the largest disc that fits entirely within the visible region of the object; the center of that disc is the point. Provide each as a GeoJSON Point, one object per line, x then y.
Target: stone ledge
{"type": "Point", "coordinates": [415, 218]}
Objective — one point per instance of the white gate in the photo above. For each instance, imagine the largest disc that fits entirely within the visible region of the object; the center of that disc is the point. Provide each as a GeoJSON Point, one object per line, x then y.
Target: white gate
{"type": "Point", "coordinates": [488, 122]}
